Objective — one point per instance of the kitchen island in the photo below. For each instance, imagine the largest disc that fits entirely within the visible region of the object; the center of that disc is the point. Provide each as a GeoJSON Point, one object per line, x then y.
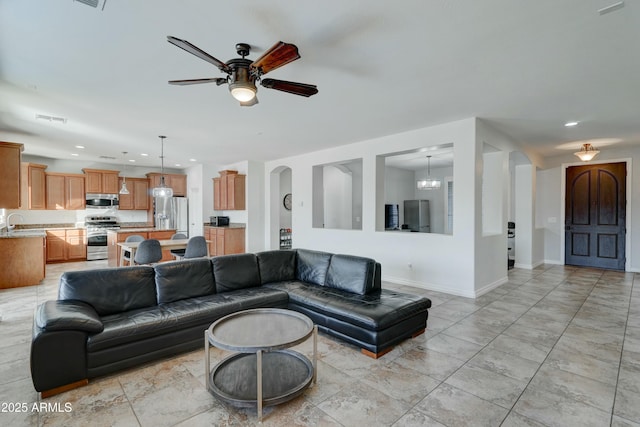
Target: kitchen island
{"type": "Point", "coordinates": [22, 258]}
{"type": "Point", "coordinates": [118, 236]}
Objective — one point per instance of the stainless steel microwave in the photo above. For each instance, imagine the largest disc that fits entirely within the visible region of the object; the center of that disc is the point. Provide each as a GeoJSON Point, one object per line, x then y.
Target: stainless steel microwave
{"type": "Point", "coordinates": [101, 201]}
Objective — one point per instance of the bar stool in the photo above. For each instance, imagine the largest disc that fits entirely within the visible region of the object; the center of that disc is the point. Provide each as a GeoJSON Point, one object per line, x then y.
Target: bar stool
{"type": "Point", "coordinates": [149, 252]}
{"type": "Point", "coordinates": [126, 255]}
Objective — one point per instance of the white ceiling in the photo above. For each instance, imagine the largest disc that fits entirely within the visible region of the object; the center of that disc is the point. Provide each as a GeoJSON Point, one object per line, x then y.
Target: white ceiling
{"type": "Point", "coordinates": [381, 68]}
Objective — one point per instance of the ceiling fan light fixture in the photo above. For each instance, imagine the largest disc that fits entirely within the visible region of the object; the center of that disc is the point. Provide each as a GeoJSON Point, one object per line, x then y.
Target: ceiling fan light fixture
{"type": "Point", "coordinates": [243, 92]}
{"type": "Point", "coordinates": [587, 152]}
{"type": "Point", "coordinates": [241, 85]}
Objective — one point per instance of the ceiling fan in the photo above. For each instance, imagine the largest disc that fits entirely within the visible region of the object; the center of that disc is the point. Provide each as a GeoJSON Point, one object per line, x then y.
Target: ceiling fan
{"type": "Point", "coordinates": [242, 73]}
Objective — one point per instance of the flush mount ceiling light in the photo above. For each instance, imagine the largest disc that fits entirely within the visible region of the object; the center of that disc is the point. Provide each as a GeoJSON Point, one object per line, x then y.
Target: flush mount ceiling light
{"type": "Point", "coordinates": [162, 190]}
{"type": "Point", "coordinates": [587, 152]}
{"type": "Point", "coordinates": [428, 183]}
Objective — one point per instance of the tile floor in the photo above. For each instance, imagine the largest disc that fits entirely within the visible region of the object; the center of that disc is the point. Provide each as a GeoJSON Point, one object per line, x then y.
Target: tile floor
{"type": "Point", "coordinates": [557, 346]}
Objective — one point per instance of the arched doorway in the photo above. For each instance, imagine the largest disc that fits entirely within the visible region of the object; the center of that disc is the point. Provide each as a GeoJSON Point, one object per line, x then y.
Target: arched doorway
{"type": "Point", "coordinates": [281, 207]}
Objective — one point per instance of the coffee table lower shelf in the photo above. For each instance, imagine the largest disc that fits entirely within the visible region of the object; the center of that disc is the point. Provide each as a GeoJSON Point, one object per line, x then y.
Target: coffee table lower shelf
{"type": "Point", "coordinates": [285, 375]}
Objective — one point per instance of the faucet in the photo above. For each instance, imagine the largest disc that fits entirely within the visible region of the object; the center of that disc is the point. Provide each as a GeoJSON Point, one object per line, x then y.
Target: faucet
{"type": "Point", "coordinates": [10, 227]}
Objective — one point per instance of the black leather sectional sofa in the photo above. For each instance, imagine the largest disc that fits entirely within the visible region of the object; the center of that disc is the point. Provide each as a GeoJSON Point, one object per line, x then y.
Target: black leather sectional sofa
{"type": "Point", "coordinates": [106, 320]}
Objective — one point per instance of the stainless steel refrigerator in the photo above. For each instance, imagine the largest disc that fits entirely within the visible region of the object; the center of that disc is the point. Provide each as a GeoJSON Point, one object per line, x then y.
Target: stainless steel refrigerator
{"type": "Point", "coordinates": [417, 215]}
{"type": "Point", "coordinates": [171, 213]}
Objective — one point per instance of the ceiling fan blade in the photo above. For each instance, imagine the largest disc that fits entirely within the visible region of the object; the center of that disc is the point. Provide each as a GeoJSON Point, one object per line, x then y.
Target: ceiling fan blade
{"type": "Point", "coordinates": [301, 89]}
{"type": "Point", "coordinates": [194, 50]}
{"type": "Point", "coordinates": [278, 55]}
{"type": "Point", "coordinates": [251, 103]}
{"type": "Point", "coordinates": [218, 81]}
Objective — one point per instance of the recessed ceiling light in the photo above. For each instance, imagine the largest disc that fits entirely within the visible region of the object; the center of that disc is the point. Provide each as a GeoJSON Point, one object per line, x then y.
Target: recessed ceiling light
{"type": "Point", "coordinates": [75, 154]}
{"type": "Point", "coordinates": [192, 160]}
{"type": "Point", "coordinates": [178, 164]}
{"type": "Point", "coordinates": [132, 160]}
{"type": "Point", "coordinates": [144, 154]}
{"type": "Point", "coordinates": [80, 147]}
{"type": "Point", "coordinates": [571, 124]}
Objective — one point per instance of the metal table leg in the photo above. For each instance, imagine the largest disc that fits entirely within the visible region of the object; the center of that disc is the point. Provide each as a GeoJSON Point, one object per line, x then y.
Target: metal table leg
{"type": "Point", "coordinates": [315, 352]}
{"type": "Point", "coordinates": [259, 382]}
{"type": "Point", "coordinates": [207, 362]}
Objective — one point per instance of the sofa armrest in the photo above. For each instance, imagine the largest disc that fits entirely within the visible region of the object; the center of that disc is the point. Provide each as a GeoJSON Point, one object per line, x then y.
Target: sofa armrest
{"type": "Point", "coordinates": [68, 315]}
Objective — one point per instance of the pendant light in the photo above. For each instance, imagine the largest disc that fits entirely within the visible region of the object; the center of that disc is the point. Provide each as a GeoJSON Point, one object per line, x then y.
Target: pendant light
{"type": "Point", "coordinates": [162, 190]}
{"type": "Point", "coordinates": [124, 189]}
{"type": "Point", "coordinates": [428, 184]}
{"type": "Point", "coordinates": [587, 152]}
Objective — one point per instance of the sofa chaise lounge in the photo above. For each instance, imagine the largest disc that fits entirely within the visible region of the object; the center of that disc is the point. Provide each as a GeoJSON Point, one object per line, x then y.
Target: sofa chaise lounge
{"type": "Point", "coordinates": [106, 320]}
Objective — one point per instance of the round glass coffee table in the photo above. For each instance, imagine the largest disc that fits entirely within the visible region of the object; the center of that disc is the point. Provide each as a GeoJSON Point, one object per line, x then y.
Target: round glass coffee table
{"type": "Point", "coordinates": [264, 371]}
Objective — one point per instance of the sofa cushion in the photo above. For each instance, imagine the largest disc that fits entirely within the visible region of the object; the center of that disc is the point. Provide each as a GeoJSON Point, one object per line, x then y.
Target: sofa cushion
{"type": "Point", "coordinates": [312, 266]}
{"type": "Point", "coordinates": [351, 273]}
{"type": "Point", "coordinates": [184, 279]}
{"type": "Point", "coordinates": [233, 272]}
{"type": "Point", "coordinates": [136, 325]}
{"type": "Point", "coordinates": [375, 311]}
{"type": "Point", "coordinates": [110, 290]}
{"type": "Point", "coordinates": [277, 266]}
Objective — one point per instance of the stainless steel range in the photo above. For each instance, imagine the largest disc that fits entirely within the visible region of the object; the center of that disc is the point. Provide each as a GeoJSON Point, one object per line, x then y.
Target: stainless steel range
{"type": "Point", "coordinates": [97, 227]}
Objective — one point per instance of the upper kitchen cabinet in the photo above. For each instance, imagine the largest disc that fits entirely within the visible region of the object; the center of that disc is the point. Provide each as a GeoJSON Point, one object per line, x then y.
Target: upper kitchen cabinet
{"type": "Point", "coordinates": [65, 191]}
{"type": "Point", "coordinates": [101, 181]}
{"type": "Point", "coordinates": [33, 186]}
{"type": "Point", "coordinates": [10, 156]}
{"type": "Point", "coordinates": [177, 182]}
{"type": "Point", "coordinates": [138, 197]}
{"type": "Point", "coordinates": [229, 191]}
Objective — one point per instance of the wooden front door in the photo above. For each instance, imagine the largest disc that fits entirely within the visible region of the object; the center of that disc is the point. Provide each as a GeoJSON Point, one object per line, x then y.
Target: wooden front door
{"type": "Point", "coordinates": [595, 215]}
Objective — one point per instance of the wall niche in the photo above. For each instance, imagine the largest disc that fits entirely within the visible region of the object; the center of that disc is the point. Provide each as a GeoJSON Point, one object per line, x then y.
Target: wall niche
{"type": "Point", "coordinates": [337, 195]}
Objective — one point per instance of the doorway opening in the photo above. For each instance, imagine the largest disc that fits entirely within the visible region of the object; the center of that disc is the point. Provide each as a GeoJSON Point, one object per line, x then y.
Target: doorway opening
{"type": "Point", "coordinates": [280, 229]}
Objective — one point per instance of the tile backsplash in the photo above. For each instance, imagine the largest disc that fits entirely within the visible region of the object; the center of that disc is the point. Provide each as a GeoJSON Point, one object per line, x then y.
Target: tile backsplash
{"type": "Point", "coordinates": [67, 217]}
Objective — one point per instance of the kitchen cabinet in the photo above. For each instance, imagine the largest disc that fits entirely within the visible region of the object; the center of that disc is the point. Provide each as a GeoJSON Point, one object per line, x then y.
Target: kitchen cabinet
{"type": "Point", "coordinates": [225, 240]}
{"type": "Point", "coordinates": [76, 244]}
{"type": "Point", "coordinates": [229, 191]}
{"type": "Point", "coordinates": [66, 245]}
{"type": "Point", "coordinates": [138, 197]}
{"type": "Point", "coordinates": [101, 181]}
{"type": "Point", "coordinates": [64, 191]}
{"type": "Point", "coordinates": [10, 171]}
{"type": "Point", "coordinates": [22, 261]}
{"type": "Point", "coordinates": [33, 186]}
{"type": "Point", "coordinates": [177, 182]}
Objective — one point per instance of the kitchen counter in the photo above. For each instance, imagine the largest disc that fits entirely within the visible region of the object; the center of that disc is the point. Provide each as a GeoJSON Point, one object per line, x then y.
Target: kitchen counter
{"type": "Point", "coordinates": [136, 230]}
{"type": "Point", "coordinates": [231, 225]}
{"type": "Point", "coordinates": [24, 233]}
